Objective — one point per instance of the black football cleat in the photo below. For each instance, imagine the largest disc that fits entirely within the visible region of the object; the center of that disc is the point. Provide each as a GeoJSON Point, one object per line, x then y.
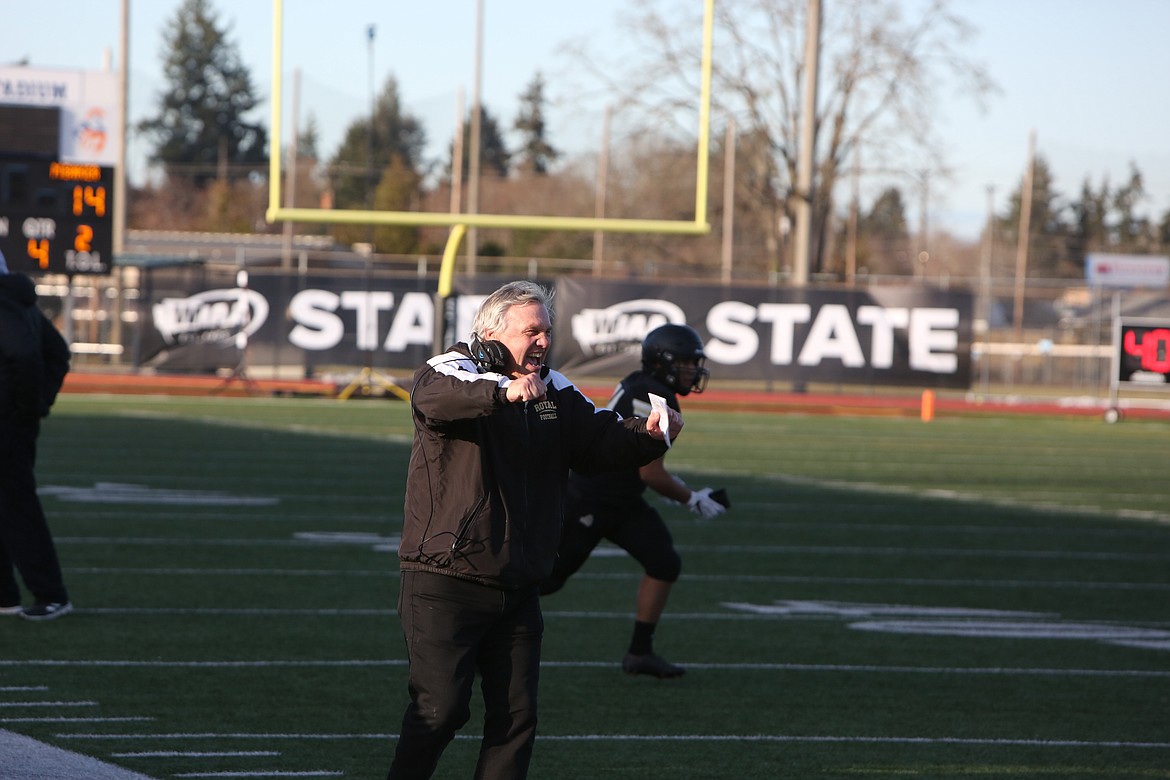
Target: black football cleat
{"type": "Point", "coordinates": [652, 665]}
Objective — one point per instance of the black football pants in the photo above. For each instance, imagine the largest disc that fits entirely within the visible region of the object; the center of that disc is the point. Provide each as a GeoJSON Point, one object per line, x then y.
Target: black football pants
{"type": "Point", "coordinates": [455, 629]}
{"type": "Point", "coordinates": [25, 539]}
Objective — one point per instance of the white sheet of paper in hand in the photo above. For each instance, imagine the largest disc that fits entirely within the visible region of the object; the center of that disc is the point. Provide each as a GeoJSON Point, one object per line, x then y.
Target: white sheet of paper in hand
{"type": "Point", "coordinates": [659, 403]}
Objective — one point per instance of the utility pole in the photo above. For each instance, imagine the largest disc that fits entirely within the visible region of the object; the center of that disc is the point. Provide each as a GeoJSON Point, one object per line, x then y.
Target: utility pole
{"type": "Point", "coordinates": [290, 190]}
{"type": "Point", "coordinates": [457, 156]}
{"type": "Point", "coordinates": [370, 181]}
{"type": "Point", "coordinates": [854, 208]}
{"type": "Point", "coordinates": [1024, 232]}
{"type": "Point", "coordinates": [985, 291]}
{"type": "Point", "coordinates": [473, 174]}
{"type": "Point", "coordinates": [808, 137]}
{"type": "Point", "coordinates": [923, 226]}
{"type": "Point", "coordinates": [728, 200]}
{"type": "Point", "coordinates": [599, 195]}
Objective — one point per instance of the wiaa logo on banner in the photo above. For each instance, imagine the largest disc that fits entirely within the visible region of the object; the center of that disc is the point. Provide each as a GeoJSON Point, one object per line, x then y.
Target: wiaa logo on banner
{"type": "Point", "coordinates": [211, 317]}
{"type": "Point", "coordinates": [622, 326]}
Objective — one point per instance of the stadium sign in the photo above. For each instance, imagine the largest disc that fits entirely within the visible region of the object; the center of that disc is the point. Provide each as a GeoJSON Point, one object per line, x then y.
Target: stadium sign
{"type": "Point", "coordinates": [1142, 352]}
{"type": "Point", "coordinates": [912, 336]}
{"type": "Point", "coordinates": [88, 101]}
{"type": "Point", "coordinates": [1107, 270]}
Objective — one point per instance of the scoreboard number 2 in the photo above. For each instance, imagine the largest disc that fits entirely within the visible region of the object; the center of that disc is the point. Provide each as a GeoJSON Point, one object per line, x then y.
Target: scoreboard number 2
{"type": "Point", "coordinates": [83, 241]}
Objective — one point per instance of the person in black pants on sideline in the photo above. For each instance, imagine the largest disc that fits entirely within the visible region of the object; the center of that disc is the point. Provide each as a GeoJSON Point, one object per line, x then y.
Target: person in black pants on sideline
{"type": "Point", "coordinates": [34, 359]}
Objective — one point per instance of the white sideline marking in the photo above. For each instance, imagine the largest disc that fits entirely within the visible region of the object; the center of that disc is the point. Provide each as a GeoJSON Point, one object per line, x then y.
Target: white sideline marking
{"type": "Point", "coordinates": [1036, 503]}
{"type": "Point", "coordinates": [783, 667]}
{"type": "Point", "coordinates": [670, 738]}
{"type": "Point", "coordinates": [120, 493]}
{"type": "Point", "coordinates": [932, 552]}
{"type": "Point", "coordinates": [746, 615]}
{"type": "Point", "coordinates": [1014, 630]}
{"type": "Point", "coordinates": [48, 703]}
{"type": "Point", "coordinates": [196, 754]}
{"type": "Point", "coordinates": [958, 621]}
{"type": "Point", "coordinates": [588, 575]}
{"type": "Point", "coordinates": [347, 537]}
{"type": "Point", "coordinates": [165, 572]}
{"type": "Point", "coordinates": [262, 773]}
{"type": "Point", "coordinates": [850, 609]}
{"type": "Point", "coordinates": [242, 612]}
{"type": "Point", "coordinates": [738, 549]}
{"type": "Point", "coordinates": [76, 720]}
{"type": "Point", "coordinates": [879, 740]}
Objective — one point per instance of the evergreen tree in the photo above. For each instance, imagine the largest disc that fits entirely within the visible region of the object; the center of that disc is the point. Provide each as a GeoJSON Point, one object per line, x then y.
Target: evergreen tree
{"type": "Point", "coordinates": [1163, 234]}
{"type": "Point", "coordinates": [1051, 251]}
{"type": "Point", "coordinates": [1131, 231]}
{"type": "Point", "coordinates": [200, 131]}
{"type": "Point", "coordinates": [309, 139]}
{"type": "Point", "coordinates": [887, 217]}
{"type": "Point", "coordinates": [357, 167]}
{"type": "Point", "coordinates": [536, 153]}
{"type": "Point", "coordinates": [1090, 219]}
{"type": "Point", "coordinates": [397, 190]}
{"type": "Point", "coordinates": [494, 157]}
{"type": "Point", "coordinates": [882, 235]}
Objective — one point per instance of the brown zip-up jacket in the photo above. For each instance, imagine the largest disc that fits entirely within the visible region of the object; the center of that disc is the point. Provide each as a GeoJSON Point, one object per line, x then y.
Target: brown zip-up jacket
{"type": "Point", "coordinates": [486, 481]}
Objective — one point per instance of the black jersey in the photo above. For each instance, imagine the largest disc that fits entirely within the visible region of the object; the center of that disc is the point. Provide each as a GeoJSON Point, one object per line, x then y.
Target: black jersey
{"type": "Point", "coordinates": [630, 399]}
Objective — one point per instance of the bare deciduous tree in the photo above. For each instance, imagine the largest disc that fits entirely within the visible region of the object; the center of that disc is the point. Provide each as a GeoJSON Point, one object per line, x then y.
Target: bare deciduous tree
{"type": "Point", "coordinates": [882, 71]}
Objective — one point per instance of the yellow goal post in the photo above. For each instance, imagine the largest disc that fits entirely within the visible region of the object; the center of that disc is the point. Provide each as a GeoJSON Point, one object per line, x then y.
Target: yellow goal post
{"type": "Point", "coordinates": [699, 226]}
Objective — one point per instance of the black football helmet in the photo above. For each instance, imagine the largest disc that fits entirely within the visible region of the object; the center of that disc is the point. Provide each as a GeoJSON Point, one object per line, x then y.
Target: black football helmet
{"type": "Point", "coordinates": [668, 345]}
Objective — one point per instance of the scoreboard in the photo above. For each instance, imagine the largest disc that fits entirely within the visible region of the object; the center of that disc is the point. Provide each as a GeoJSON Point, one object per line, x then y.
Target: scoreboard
{"type": "Point", "coordinates": [56, 217]}
{"type": "Point", "coordinates": [1142, 354]}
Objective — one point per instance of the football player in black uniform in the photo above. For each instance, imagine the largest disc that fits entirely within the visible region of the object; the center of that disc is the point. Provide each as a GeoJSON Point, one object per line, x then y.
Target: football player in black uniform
{"type": "Point", "coordinates": [611, 505]}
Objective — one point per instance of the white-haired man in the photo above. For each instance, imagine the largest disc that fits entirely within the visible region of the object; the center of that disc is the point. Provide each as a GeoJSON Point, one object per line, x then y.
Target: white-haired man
{"type": "Point", "coordinates": [496, 433]}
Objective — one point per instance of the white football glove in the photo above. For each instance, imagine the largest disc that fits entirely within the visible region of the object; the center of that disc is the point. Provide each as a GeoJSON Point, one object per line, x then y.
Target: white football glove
{"type": "Point", "coordinates": [703, 505]}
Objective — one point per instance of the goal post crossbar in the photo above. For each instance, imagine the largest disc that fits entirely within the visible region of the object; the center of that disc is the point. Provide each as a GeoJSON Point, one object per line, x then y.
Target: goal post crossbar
{"type": "Point", "coordinates": [699, 226]}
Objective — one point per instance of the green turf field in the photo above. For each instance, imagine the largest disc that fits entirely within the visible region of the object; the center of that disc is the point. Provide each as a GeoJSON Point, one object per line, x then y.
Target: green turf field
{"type": "Point", "coordinates": [974, 597]}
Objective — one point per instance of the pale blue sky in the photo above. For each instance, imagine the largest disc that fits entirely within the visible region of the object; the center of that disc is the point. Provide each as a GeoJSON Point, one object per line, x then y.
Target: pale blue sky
{"type": "Point", "coordinates": [1087, 75]}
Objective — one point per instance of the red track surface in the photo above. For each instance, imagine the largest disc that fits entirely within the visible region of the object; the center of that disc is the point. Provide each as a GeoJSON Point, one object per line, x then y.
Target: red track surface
{"type": "Point", "coordinates": [908, 405]}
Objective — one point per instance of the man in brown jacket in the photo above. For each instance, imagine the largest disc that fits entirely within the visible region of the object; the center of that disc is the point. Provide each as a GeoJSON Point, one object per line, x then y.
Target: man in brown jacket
{"type": "Point", "coordinates": [496, 433]}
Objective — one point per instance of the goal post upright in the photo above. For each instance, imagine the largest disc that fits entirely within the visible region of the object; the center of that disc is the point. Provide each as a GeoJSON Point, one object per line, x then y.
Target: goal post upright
{"type": "Point", "coordinates": [699, 226]}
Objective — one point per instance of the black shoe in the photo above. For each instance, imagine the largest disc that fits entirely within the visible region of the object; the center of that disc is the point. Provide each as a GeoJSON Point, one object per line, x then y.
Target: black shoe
{"type": "Point", "coordinates": [49, 611]}
{"type": "Point", "coordinates": [651, 664]}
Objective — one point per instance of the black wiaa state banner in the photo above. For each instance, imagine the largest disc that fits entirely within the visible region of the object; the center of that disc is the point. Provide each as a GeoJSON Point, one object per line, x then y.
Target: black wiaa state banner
{"type": "Point", "coordinates": [909, 335]}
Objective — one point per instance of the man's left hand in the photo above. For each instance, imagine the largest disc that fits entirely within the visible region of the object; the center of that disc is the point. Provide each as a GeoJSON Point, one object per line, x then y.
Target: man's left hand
{"type": "Point", "coordinates": [655, 428]}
